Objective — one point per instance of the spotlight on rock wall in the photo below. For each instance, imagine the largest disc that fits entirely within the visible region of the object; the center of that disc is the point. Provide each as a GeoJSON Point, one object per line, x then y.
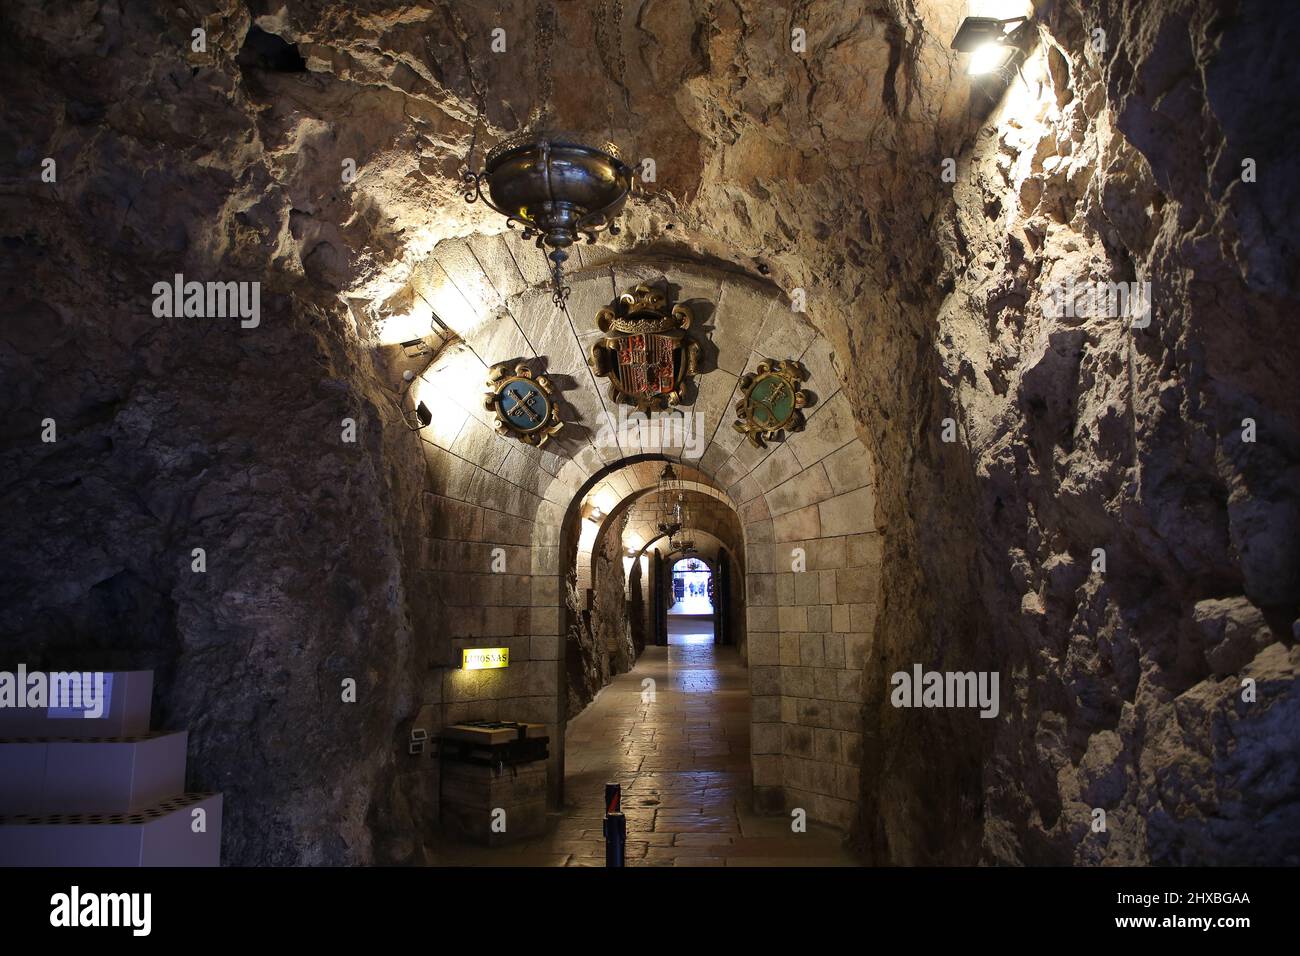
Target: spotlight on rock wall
{"type": "Point", "coordinates": [422, 416]}
{"type": "Point", "coordinates": [988, 41]}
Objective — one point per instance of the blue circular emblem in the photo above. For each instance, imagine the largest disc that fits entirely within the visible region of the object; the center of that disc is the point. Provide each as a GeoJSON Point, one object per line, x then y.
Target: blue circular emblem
{"type": "Point", "coordinates": [523, 404]}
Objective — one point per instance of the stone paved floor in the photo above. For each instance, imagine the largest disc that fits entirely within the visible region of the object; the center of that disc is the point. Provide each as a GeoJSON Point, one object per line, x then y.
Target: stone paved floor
{"type": "Point", "coordinates": [683, 760]}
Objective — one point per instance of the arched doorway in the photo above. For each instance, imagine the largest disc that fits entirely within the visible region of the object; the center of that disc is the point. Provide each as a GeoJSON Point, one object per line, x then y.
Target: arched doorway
{"type": "Point", "coordinates": [692, 615]}
{"type": "Point", "coordinates": [612, 617]}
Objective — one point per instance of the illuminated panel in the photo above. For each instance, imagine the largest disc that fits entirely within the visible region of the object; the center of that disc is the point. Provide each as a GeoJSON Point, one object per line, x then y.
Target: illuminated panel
{"type": "Point", "coordinates": [484, 658]}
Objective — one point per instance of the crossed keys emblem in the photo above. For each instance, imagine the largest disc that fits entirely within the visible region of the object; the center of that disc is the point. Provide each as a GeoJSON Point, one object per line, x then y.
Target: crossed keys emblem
{"type": "Point", "coordinates": [772, 401]}
{"type": "Point", "coordinates": [762, 409]}
{"type": "Point", "coordinates": [524, 403]}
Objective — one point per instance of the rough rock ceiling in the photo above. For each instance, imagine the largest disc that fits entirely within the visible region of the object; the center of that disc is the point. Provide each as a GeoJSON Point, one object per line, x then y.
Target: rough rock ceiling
{"type": "Point", "coordinates": [762, 153]}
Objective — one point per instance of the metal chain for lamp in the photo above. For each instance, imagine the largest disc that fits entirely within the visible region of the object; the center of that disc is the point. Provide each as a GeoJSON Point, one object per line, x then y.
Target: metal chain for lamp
{"type": "Point", "coordinates": [458, 24]}
{"type": "Point", "coordinates": [552, 184]}
{"type": "Point", "coordinates": [559, 291]}
{"type": "Point", "coordinates": [602, 41]}
{"type": "Point", "coordinates": [609, 19]}
{"type": "Point", "coordinates": [622, 54]}
{"type": "Point", "coordinates": [542, 42]}
{"type": "Point", "coordinates": [543, 38]}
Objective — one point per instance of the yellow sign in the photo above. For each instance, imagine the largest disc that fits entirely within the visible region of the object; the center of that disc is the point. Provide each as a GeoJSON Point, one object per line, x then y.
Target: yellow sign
{"type": "Point", "coordinates": [484, 658]}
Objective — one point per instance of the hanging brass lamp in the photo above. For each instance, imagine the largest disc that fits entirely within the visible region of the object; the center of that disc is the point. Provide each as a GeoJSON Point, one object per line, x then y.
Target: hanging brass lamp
{"type": "Point", "coordinates": [555, 184]}
{"type": "Point", "coordinates": [557, 188]}
{"type": "Point", "coordinates": [670, 499]}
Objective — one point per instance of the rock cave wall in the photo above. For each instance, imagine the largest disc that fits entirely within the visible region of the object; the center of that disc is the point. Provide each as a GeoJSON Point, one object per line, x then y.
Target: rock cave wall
{"type": "Point", "coordinates": [586, 659]}
{"type": "Point", "coordinates": [1123, 688]}
{"type": "Point", "coordinates": [609, 607]}
{"type": "Point", "coordinates": [176, 434]}
{"type": "Point", "coordinates": [1125, 433]}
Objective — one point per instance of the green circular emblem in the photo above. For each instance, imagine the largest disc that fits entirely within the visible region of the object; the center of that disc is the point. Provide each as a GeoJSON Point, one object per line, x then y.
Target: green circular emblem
{"type": "Point", "coordinates": [771, 400]}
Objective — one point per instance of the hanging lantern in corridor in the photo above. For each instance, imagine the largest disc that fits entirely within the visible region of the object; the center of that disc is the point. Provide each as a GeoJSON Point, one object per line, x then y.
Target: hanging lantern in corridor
{"type": "Point", "coordinates": [556, 185]}
{"type": "Point", "coordinates": [669, 502]}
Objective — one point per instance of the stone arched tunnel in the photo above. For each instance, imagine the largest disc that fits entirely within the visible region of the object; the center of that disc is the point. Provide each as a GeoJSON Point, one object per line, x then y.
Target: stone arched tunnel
{"type": "Point", "coordinates": [1093, 512]}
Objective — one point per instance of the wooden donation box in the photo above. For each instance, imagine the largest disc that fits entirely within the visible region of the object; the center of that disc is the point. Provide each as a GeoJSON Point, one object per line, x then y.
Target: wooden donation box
{"type": "Point", "coordinates": [493, 781]}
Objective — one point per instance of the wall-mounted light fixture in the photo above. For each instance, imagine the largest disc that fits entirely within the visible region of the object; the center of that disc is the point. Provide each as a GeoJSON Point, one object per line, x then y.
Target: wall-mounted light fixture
{"type": "Point", "coordinates": [988, 41]}
{"type": "Point", "coordinates": [418, 417]}
{"type": "Point", "coordinates": [416, 348]}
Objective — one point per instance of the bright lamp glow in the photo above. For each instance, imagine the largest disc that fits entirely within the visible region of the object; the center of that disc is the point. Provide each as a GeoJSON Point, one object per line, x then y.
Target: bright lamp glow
{"type": "Point", "coordinates": [587, 532]}
{"type": "Point", "coordinates": [446, 301]}
{"type": "Point", "coordinates": [404, 327]}
{"type": "Point", "coordinates": [988, 41]}
{"type": "Point", "coordinates": [605, 500]}
{"type": "Point", "coordinates": [448, 417]}
{"type": "Point", "coordinates": [987, 58]}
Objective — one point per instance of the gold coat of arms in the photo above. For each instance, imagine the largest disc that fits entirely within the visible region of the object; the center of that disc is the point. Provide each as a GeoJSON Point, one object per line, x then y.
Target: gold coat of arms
{"type": "Point", "coordinates": [646, 352]}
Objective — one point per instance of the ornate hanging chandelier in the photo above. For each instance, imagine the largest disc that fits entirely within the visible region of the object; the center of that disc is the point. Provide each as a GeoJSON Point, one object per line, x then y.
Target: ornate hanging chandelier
{"type": "Point", "coordinates": [679, 541]}
{"type": "Point", "coordinates": [556, 186]}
